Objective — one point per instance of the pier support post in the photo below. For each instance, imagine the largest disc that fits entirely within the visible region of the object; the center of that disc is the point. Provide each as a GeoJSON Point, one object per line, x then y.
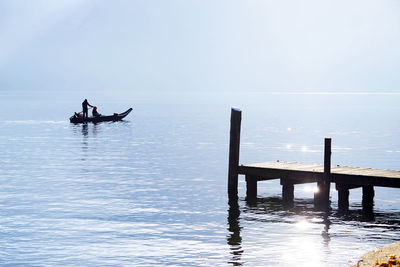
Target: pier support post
{"type": "Point", "coordinates": [343, 198]}
{"type": "Point", "coordinates": [234, 146]}
{"type": "Point", "coordinates": [321, 198]}
{"type": "Point", "coordinates": [251, 186]}
{"type": "Point", "coordinates": [368, 200]}
{"type": "Point", "coordinates": [287, 194]}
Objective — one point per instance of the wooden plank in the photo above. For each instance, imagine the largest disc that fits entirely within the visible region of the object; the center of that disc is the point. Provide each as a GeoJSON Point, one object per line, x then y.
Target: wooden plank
{"type": "Point", "coordinates": [370, 173]}
{"type": "Point", "coordinates": [296, 166]}
{"type": "Point", "coordinates": [286, 165]}
{"type": "Point", "coordinates": [271, 173]}
{"type": "Point", "coordinates": [346, 186]}
{"type": "Point", "coordinates": [362, 180]}
{"type": "Point", "coordinates": [366, 171]}
{"type": "Point", "coordinates": [306, 173]}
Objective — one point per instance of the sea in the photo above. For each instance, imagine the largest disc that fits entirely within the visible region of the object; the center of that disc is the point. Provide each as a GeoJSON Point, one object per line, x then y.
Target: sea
{"type": "Point", "coordinates": [152, 190]}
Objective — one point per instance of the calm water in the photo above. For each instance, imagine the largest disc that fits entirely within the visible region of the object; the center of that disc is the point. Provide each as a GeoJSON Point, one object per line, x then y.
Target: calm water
{"type": "Point", "coordinates": [152, 190]}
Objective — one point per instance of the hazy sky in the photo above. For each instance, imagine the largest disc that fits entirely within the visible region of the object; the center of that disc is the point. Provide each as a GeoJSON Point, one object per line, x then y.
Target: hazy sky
{"type": "Point", "coordinates": [191, 45]}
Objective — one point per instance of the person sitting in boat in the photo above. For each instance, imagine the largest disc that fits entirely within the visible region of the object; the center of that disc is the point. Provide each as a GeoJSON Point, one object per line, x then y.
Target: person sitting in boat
{"type": "Point", "coordinates": [95, 113]}
{"type": "Point", "coordinates": [85, 105]}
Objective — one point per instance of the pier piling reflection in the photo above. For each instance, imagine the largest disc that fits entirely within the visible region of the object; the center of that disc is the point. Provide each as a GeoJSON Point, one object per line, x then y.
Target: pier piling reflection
{"type": "Point", "coordinates": [234, 238]}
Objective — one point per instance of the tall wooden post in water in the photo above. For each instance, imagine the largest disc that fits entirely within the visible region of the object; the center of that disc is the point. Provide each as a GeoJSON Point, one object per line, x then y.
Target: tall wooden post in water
{"type": "Point", "coordinates": [321, 198]}
{"type": "Point", "coordinates": [234, 146]}
{"type": "Point", "coordinates": [327, 172]}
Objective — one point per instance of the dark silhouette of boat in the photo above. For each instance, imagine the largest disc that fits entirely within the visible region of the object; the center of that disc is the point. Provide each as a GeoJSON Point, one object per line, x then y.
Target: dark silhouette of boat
{"type": "Point", "coordinates": [78, 117]}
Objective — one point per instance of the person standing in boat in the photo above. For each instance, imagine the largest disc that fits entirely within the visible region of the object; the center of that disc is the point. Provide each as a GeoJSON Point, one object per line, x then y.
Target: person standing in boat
{"type": "Point", "coordinates": [95, 113]}
{"type": "Point", "coordinates": [85, 105]}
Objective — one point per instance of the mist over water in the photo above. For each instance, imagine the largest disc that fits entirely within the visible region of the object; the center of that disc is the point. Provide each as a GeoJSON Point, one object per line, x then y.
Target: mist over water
{"type": "Point", "coordinates": [153, 188]}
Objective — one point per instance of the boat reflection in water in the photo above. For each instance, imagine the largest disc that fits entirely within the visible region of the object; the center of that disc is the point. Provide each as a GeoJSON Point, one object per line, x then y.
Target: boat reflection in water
{"type": "Point", "coordinates": [85, 130]}
{"type": "Point", "coordinates": [268, 232]}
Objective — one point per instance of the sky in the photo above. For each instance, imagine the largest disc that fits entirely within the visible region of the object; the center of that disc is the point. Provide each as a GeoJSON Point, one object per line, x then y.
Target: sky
{"type": "Point", "coordinates": [200, 45]}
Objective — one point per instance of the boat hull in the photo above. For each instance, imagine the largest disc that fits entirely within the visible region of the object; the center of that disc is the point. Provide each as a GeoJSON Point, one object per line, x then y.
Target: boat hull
{"type": "Point", "coordinates": [115, 117]}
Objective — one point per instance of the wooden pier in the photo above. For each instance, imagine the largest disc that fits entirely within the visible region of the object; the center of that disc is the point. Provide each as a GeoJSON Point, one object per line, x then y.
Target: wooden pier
{"type": "Point", "coordinates": [292, 173]}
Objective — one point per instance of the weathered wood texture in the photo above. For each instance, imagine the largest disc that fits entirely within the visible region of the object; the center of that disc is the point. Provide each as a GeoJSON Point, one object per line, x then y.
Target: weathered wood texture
{"type": "Point", "coordinates": [343, 197]}
{"type": "Point", "coordinates": [321, 198]}
{"type": "Point", "coordinates": [288, 194]}
{"type": "Point", "coordinates": [368, 199]}
{"type": "Point", "coordinates": [234, 147]}
{"type": "Point", "coordinates": [251, 187]}
{"type": "Point", "coordinates": [299, 173]}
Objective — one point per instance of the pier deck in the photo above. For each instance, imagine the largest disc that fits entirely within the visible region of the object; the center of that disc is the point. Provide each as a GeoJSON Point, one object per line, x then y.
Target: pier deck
{"type": "Point", "coordinates": [298, 173]}
{"type": "Point", "coordinates": [292, 173]}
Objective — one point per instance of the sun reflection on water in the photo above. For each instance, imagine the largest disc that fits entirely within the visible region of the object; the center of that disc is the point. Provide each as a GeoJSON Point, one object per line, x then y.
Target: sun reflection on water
{"type": "Point", "coordinates": [303, 224]}
{"type": "Point", "coordinates": [310, 189]}
{"type": "Point", "coordinates": [303, 248]}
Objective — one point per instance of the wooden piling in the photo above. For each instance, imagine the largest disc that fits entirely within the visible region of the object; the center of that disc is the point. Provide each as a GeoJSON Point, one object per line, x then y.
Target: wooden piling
{"type": "Point", "coordinates": [234, 147]}
{"type": "Point", "coordinates": [251, 188]}
{"type": "Point", "coordinates": [343, 198]}
{"type": "Point", "coordinates": [368, 199]}
{"type": "Point", "coordinates": [327, 172]}
{"type": "Point", "coordinates": [287, 194]}
{"type": "Point", "coordinates": [321, 198]}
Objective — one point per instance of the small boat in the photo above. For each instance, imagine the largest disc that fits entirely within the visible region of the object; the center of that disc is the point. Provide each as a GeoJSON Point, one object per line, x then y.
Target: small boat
{"type": "Point", "coordinates": [78, 117]}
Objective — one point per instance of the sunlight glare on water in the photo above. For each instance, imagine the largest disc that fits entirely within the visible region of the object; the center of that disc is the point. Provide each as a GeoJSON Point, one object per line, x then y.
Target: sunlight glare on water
{"type": "Point", "coordinates": [152, 190]}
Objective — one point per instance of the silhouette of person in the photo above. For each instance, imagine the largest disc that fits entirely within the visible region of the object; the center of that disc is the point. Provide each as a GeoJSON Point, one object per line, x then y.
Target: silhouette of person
{"type": "Point", "coordinates": [95, 113]}
{"type": "Point", "coordinates": [85, 105]}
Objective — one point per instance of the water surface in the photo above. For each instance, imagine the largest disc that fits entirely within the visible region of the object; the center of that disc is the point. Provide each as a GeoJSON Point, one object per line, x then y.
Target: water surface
{"type": "Point", "coordinates": [152, 189]}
